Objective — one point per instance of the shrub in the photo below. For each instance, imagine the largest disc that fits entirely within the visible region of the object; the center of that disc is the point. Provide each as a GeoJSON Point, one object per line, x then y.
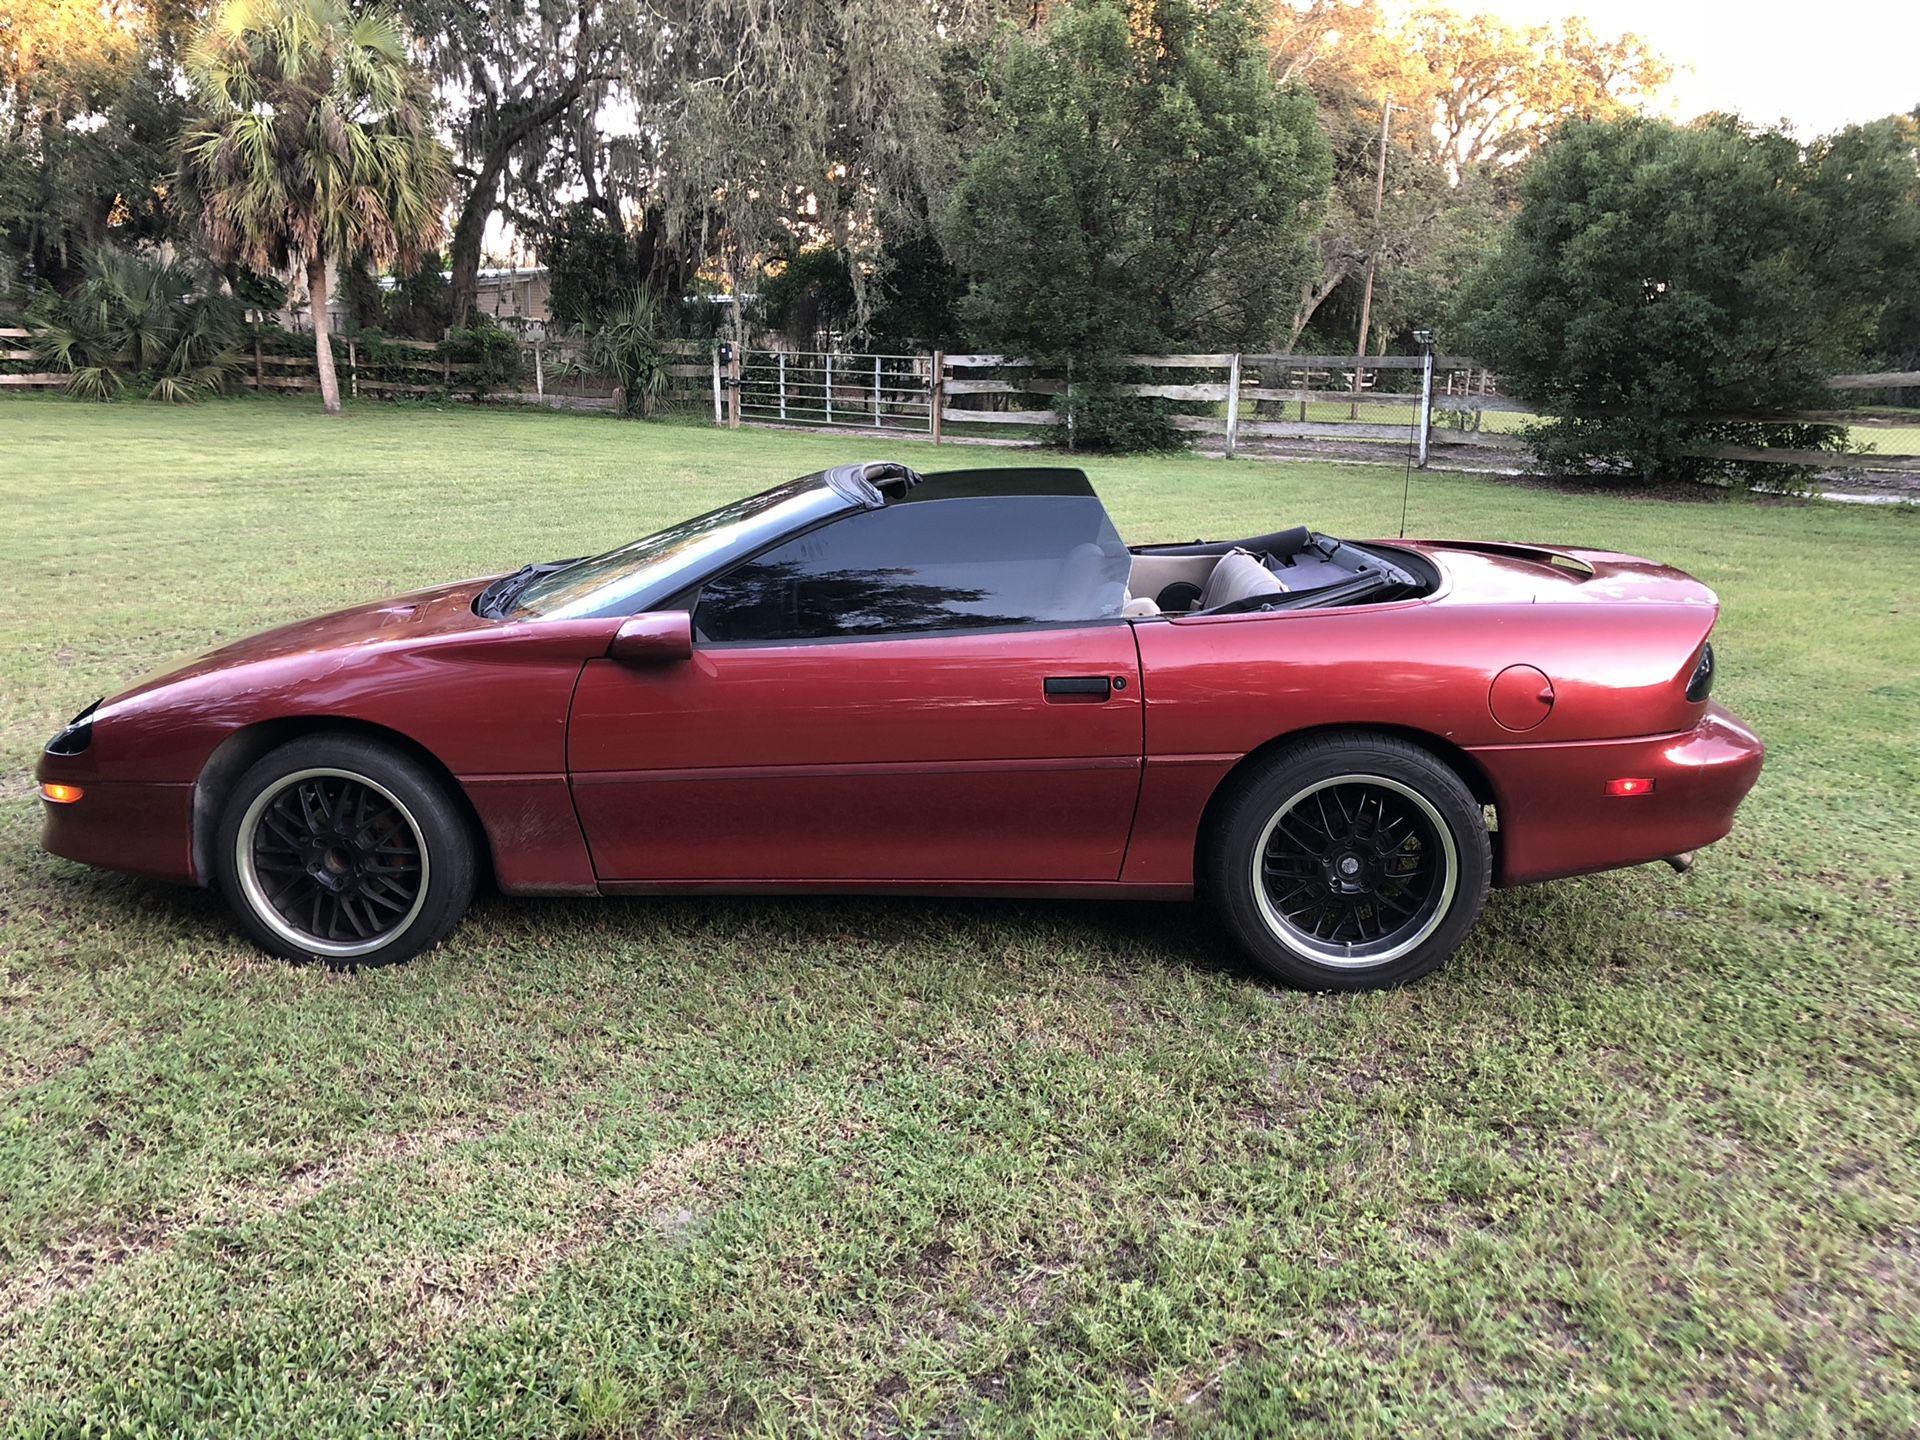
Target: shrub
{"type": "Point", "coordinates": [1144, 186]}
{"type": "Point", "coordinates": [811, 299]}
{"type": "Point", "coordinates": [630, 344]}
{"type": "Point", "coordinates": [1096, 416]}
{"type": "Point", "coordinates": [140, 323]}
{"type": "Point", "coordinates": [492, 351]}
{"type": "Point", "coordinates": [1660, 281]}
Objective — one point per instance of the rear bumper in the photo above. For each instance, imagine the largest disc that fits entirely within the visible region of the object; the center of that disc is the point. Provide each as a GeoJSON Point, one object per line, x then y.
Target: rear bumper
{"type": "Point", "coordinates": [1557, 819]}
{"type": "Point", "coordinates": [142, 829]}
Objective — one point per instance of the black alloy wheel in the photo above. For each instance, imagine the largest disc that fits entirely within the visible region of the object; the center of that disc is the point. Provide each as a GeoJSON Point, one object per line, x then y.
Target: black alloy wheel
{"type": "Point", "coordinates": [335, 858]}
{"type": "Point", "coordinates": [339, 849]}
{"type": "Point", "coordinates": [1348, 861]}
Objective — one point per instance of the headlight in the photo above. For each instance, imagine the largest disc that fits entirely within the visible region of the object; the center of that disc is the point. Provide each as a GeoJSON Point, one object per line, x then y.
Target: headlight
{"type": "Point", "coordinates": [78, 734]}
{"type": "Point", "coordinates": [1701, 684]}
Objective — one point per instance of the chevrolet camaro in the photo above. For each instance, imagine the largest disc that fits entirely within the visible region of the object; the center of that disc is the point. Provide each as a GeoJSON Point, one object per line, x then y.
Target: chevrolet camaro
{"type": "Point", "coordinates": [868, 680]}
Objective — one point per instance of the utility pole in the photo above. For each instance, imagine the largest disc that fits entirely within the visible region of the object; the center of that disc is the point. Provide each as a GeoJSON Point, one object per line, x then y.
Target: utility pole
{"type": "Point", "coordinates": [1373, 253]}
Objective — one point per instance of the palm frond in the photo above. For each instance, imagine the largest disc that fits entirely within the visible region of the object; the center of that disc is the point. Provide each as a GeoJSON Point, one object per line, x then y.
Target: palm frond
{"type": "Point", "coordinates": [95, 382]}
{"type": "Point", "coordinates": [172, 390]}
{"type": "Point", "coordinates": [630, 344]}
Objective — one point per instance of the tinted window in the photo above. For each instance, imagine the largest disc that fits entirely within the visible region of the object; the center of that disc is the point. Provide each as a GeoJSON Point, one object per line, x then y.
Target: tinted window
{"type": "Point", "coordinates": [937, 564]}
{"type": "Point", "coordinates": [619, 582]}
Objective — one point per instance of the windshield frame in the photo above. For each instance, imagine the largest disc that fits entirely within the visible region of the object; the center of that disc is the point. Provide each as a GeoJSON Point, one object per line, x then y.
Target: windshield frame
{"type": "Point", "coordinates": [642, 574]}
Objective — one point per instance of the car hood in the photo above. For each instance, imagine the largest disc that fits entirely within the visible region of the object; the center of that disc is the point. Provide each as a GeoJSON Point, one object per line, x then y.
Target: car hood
{"type": "Point", "coordinates": [422, 665]}
{"type": "Point", "coordinates": [442, 612]}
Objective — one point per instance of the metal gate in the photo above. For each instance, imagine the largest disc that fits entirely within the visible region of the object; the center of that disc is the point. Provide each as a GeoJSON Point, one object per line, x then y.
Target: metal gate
{"type": "Point", "coordinates": [822, 387]}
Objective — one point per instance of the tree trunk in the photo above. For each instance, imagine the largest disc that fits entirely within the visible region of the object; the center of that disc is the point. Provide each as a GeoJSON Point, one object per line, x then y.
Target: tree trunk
{"type": "Point", "coordinates": [470, 228]}
{"type": "Point", "coordinates": [464, 254]}
{"type": "Point", "coordinates": [322, 341]}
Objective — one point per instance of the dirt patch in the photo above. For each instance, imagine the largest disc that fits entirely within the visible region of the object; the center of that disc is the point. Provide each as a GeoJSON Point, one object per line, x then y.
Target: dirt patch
{"type": "Point", "coordinates": [77, 1260]}
{"type": "Point", "coordinates": [16, 1078]}
{"type": "Point", "coordinates": [668, 1197]}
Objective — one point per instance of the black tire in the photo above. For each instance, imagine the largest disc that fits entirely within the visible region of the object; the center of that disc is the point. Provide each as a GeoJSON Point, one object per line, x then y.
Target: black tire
{"type": "Point", "coordinates": [337, 849]}
{"type": "Point", "coordinates": [1351, 861]}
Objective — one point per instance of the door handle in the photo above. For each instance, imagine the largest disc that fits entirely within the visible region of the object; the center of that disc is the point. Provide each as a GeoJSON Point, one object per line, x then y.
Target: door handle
{"type": "Point", "coordinates": [1077, 687]}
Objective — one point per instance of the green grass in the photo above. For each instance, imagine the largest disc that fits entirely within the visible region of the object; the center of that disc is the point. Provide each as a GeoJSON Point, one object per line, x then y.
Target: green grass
{"type": "Point", "coordinates": [1642, 1159]}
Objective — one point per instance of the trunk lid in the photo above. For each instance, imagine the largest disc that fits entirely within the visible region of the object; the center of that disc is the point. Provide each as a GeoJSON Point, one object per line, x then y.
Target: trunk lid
{"type": "Point", "coordinates": [1483, 572]}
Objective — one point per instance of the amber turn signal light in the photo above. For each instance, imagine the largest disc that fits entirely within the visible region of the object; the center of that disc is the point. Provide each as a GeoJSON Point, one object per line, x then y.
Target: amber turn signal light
{"type": "Point", "coordinates": [1629, 787]}
{"type": "Point", "coordinates": [60, 794]}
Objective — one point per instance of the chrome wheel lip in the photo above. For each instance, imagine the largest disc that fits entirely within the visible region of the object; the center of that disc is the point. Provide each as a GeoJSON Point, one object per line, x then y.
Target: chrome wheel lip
{"type": "Point", "coordinates": [256, 895]}
{"type": "Point", "coordinates": [1341, 956]}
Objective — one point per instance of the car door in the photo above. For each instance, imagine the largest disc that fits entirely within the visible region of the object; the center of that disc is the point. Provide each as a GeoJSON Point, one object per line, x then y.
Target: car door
{"type": "Point", "coordinates": [853, 712]}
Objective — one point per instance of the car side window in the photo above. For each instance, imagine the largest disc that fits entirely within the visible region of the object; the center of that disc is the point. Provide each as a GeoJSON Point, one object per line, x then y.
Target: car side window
{"type": "Point", "coordinates": [917, 566]}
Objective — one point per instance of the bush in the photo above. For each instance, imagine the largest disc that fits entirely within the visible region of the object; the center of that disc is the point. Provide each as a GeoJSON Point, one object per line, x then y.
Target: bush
{"type": "Point", "coordinates": [810, 300]}
{"type": "Point", "coordinates": [417, 305]}
{"type": "Point", "coordinates": [1660, 280]}
{"type": "Point", "coordinates": [593, 265]}
{"type": "Point", "coordinates": [1096, 416]}
{"type": "Point", "coordinates": [492, 351]}
{"type": "Point", "coordinates": [1145, 187]}
{"type": "Point", "coordinates": [629, 343]}
{"type": "Point", "coordinates": [253, 290]}
{"type": "Point", "coordinates": [132, 322]}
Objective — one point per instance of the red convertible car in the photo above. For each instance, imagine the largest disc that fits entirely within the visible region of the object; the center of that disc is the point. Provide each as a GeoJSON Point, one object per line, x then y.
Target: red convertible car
{"type": "Point", "coordinates": [867, 680]}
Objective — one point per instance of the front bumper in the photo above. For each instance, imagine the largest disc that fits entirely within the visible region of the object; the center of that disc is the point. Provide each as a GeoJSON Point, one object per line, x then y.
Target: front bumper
{"type": "Point", "coordinates": [1557, 819]}
{"type": "Point", "coordinates": [139, 827]}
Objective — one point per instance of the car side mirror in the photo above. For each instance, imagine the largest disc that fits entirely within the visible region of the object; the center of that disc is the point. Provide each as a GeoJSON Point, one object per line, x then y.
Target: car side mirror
{"type": "Point", "coordinates": [656, 638]}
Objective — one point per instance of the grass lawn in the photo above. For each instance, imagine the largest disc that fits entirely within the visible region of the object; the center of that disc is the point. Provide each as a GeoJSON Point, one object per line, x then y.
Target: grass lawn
{"type": "Point", "coordinates": [1643, 1159]}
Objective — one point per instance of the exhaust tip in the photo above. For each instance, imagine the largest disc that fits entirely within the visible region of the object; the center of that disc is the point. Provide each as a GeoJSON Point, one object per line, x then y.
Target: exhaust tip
{"type": "Point", "coordinates": [1681, 863]}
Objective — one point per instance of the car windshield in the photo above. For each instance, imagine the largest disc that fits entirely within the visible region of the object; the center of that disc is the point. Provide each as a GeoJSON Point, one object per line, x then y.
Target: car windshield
{"type": "Point", "coordinates": [626, 580]}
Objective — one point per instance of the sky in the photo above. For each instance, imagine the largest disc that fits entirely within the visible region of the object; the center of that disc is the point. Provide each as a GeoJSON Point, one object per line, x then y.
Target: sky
{"type": "Point", "coordinates": [1819, 67]}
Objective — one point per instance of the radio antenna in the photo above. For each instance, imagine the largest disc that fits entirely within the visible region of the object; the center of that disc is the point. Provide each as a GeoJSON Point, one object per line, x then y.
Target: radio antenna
{"type": "Point", "coordinates": [1406, 489]}
{"type": "Point", "coordinates": [1424, 339]}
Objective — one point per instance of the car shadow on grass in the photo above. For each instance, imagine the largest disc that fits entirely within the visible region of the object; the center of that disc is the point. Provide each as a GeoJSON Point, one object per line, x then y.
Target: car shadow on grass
{"type": "Point", "coordinates": [1114, 937]}
{"type": "Point", "coordinates": [1544, 931]}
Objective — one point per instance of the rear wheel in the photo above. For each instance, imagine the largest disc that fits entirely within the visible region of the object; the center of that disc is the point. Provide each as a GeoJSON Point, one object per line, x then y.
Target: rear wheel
{"type": "Point", "coordinates": [339, 849]}
{"type": "Point", "coordinates": [1349, 862]}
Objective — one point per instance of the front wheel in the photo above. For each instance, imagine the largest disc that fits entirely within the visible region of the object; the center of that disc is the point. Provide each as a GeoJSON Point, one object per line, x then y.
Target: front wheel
{"type": "Point", "coordinates": [1349, 862]}
{"type": "Point", "coordinates": [338, 849]}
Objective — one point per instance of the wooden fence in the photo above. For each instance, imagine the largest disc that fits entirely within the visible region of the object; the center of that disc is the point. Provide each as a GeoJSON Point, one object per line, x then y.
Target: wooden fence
{"type": "Point", "coordinates": [1232, 399]}
{"type": "Point", "coordinates": [1230, 403]}
{"type": "Point", "coordinates": [14, 351]}
{"type": "Point", "coordinates": [556, 373]}
{"type": "Point", "coordinates": [1451, 409]}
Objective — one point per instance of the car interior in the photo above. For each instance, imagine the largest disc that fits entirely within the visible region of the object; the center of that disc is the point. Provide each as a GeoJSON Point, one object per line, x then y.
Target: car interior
{"type": "Point", "coordinates": [1288, 569]}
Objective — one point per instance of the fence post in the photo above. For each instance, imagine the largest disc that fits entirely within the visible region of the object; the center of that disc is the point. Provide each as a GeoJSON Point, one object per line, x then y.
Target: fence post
{"type": "Point", "coordinates": [733, 391]}
{"type": "Point", "coordinates": [540, 367]}
{"type": "Point", "coordinates": [256, 364]}
{"type": "Point", "coordinates": [936, 391]}
{"type": "Point", "coordinates": [876, 392]}
{"type": "Point", "coordinates": [716, 386]}
{"type": "Point", "coordinates": [829, 381]}
{"type": "Point", "coordinates": [1426, 400]}
{"type": "Point", "coordinates": [353, 369]}
{"type": "Point", "coordinates": [781, 357]}
{"type": "Point", "coordinates": [1068, 397]}
{"type": "Point", "coordinates": [1233, 404]}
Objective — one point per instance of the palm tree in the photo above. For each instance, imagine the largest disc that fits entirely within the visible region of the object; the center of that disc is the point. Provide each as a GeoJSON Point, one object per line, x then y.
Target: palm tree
{"type": "Point", "coordinates": [315, 141]}
{"type": "Point", "coordinates": [629, 342]}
